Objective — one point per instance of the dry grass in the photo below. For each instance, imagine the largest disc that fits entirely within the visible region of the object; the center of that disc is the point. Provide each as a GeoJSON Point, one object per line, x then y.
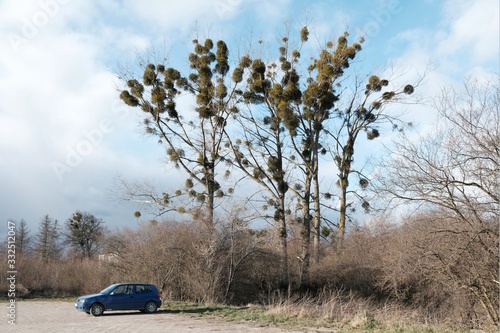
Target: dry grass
{"type": "Point", "coordinates": [345, 310]}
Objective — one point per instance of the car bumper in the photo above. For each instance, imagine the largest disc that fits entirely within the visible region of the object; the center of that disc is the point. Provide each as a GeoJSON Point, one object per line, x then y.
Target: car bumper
{"type": "Point", "coordinates": [82, 306]}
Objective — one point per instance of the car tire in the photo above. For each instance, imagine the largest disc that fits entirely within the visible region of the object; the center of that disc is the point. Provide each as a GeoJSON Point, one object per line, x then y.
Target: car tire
{"type": "Point", "coordinates": [150, 307]}
{"type": "Point", "coordinates": [96, 309]}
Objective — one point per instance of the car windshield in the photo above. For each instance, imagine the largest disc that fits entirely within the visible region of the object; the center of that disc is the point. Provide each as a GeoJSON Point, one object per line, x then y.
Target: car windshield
{"type": "Point", "coordinates": [108, 289]}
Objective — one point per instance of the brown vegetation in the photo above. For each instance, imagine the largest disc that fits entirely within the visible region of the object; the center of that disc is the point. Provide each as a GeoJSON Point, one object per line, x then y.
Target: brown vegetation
{"type": "Point", "coordinates": [391, 275]}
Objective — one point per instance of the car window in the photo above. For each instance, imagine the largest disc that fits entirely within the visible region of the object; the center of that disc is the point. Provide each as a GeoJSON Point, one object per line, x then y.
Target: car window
{"type": "Point", "coordinates": [109, 289]}
{"type": "Point", "coordinates": [124, 289]}
{"type": "Point", "coordinates": [141, 289]}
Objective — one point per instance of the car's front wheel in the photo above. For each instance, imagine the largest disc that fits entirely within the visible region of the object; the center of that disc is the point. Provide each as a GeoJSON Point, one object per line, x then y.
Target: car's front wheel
{"type": "Point", "coordinates": [96, 309]}
{"type": "Point", "coordinates": [150, 307]}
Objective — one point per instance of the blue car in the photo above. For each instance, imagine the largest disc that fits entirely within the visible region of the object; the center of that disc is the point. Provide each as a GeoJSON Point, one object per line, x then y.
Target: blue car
{"type": "Point", "coordinates": [121, 296]}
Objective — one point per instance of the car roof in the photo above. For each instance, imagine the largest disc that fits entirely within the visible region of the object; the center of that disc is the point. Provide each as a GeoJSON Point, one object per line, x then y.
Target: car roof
{"type": "Point", "coordinates": [142, 283]}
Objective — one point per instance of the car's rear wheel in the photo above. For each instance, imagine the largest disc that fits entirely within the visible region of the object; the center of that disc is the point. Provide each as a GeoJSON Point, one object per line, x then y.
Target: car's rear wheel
{"type": "Point", "coordinates": [96, 309]}
{"type": "Point", "coordinates": [150, 307]}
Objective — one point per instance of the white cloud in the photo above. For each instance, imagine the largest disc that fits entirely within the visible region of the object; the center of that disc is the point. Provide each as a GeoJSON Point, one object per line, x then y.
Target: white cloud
{"type": "Point", "coordinates": [57, 90]}
{"type": "Point", "coordinates": [473, 29]}
{"type": "Point", "coordinates": [466, 39]}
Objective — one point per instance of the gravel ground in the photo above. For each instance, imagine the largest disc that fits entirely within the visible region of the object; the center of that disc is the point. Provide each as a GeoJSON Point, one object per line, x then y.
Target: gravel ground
{"type": "Point", "coordinates": [58, 316]}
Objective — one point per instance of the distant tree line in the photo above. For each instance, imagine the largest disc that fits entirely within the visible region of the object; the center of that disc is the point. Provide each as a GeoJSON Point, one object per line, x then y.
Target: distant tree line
{"type": "Point", "coordinates": [81, 235]}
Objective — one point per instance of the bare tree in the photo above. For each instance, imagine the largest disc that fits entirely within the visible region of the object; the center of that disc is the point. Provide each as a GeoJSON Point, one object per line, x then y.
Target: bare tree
{"type": "Point", "coordinates": [455, 169]}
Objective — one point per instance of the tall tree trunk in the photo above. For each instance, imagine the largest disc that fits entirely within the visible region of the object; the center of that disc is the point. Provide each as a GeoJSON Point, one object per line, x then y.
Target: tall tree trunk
{"type": "Point", "coordinates": [343, 212]}
{"type": "Point", "coordinates": [284, 244]}
{"type": "Point", "coordinates": [306, 231]}
{"type": "Point", "coordinates": [344, 171]}
{"type": "Point", "coordinates": [210, 201]}
{"type": "Point", "coordinates": [282, 188]}
{"type": "Point", "coordinates": [317, 197]}
{"type": "Point", "coordinates": [317, 218]}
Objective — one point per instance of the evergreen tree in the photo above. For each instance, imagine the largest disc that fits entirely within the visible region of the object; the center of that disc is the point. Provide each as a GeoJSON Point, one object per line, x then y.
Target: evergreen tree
{"type": "Point", "coordinates": [23, 237]}
{"type": "Point", "coordinates": [47, 245]}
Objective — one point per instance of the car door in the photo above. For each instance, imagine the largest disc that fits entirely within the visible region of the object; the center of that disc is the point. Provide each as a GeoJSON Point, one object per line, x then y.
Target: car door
{"type": "Point", "coordinates": [143, 294]}
{"type": "Point", "coordinates": [122, 298]}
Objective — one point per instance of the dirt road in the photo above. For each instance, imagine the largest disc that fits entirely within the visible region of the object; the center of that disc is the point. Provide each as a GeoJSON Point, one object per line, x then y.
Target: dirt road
{"type": "Point", "coordinates": [57, 316]}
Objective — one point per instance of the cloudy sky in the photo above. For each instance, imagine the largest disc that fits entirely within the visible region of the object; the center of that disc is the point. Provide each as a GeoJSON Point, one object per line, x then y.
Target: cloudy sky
{"type": "Point", "coordinates": [65, 136]}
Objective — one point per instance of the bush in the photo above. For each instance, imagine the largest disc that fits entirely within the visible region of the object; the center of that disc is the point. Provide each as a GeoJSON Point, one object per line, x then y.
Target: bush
{"type": "Point", "coordinates": [61, 278]}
